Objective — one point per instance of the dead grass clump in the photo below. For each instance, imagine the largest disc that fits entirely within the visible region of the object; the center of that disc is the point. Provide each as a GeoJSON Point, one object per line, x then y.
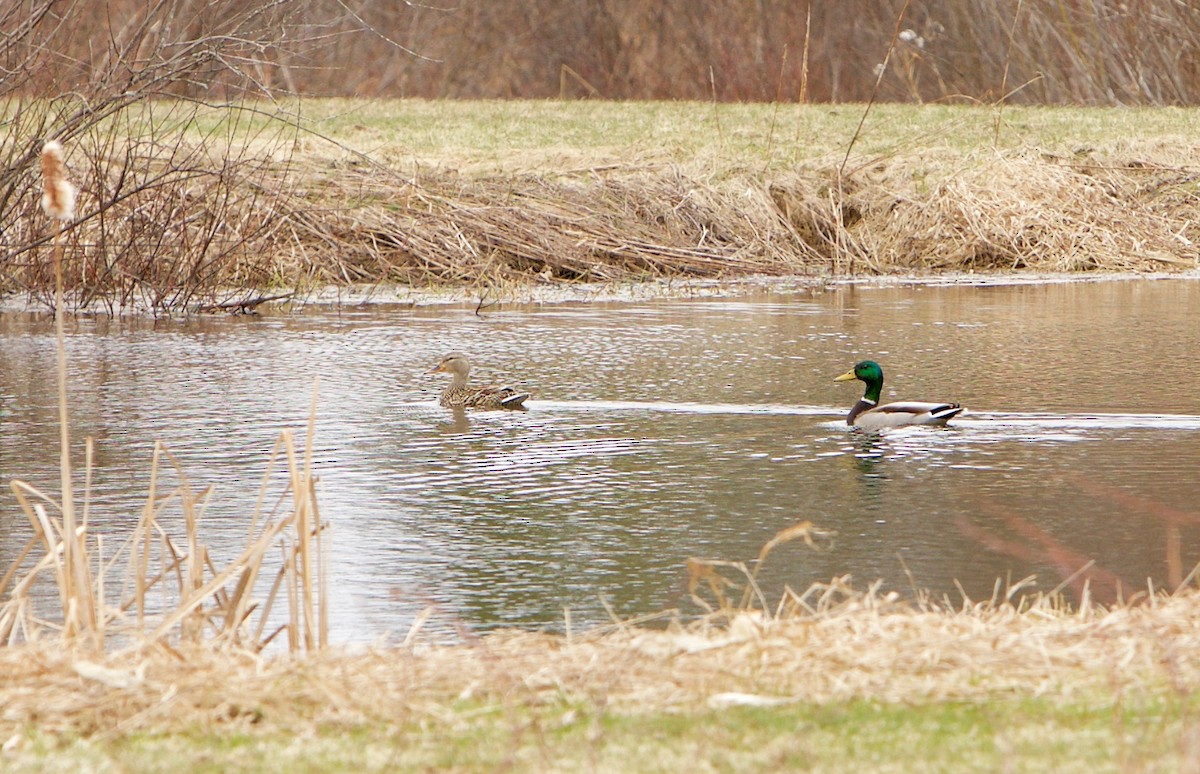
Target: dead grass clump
{"type": "Point", "coordinates": [1032, 211]}
{"type": "Point", "coordinates": [820, 210]}
{"type": "Point", "coordinates": [175, 589]}
{"type": "Point", "coordinates": [924, 211]}
{"type": "Point", "coordinates": [446, 228]}
{"type": "Point", "coordinates": [835, 644]}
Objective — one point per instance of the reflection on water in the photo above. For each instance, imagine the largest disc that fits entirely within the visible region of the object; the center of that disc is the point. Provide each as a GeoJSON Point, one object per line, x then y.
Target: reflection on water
{"type": "Point", "coordinates": [656, 432]}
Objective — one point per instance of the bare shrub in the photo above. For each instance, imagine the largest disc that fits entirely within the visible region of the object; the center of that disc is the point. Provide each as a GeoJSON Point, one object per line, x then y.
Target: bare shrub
{"type": "Point", "coordinates": [162, 222]}
{"type": "Point", "coordinates": [1042, 51]}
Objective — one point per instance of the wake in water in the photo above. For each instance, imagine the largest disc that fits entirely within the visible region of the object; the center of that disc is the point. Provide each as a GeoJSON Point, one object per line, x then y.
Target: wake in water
{"type": "Point", "coordinates": [971, 420]}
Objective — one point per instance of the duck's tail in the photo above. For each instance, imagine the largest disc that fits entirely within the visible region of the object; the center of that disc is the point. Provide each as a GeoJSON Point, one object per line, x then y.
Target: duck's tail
{"type": "Point", "coordinates": [515, 401]}
{"type": "Point", "coordinates": [944, 413]}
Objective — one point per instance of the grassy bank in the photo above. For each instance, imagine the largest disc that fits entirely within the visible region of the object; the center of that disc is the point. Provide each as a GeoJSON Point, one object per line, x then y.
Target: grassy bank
{"type": "Point", "coordinates": [184, 206]}
{"type": "Point", "coordinates": [857, 682]}
{"type": "Point", "coordinates": [488, 192]}
{"type": "Point", "coordinates": [1007, 735]}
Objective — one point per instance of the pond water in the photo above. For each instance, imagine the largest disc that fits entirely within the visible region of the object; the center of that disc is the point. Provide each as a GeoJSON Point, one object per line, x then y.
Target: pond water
{"type": "Point", "coordinates": [658, 431]}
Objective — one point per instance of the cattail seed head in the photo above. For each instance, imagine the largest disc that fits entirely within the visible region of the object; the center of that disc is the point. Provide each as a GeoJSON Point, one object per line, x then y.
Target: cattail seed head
{"type": "Point", "coordinates": [58, 199]}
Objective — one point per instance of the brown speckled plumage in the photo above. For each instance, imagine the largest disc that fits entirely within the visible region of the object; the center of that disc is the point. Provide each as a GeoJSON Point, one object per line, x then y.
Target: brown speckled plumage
{"type": "Point", "coordinates": [459, 395]}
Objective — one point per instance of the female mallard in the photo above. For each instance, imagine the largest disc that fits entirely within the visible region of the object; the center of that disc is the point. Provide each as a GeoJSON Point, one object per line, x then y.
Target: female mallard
{"type": "Point", "coordinates": [459, 395]}
{"type": "Point", "coordinates": [869, 415]}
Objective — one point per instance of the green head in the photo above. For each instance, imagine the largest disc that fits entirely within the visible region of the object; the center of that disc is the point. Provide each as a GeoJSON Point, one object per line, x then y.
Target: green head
{"type": "Point", "coordinates": [867, 371]}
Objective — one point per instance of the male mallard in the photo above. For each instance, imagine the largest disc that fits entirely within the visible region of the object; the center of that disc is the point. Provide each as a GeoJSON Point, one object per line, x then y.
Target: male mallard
{"type": "Point", "coordinates": [869, 415]}
{"type": "Point", "coordinates": [459, 395]}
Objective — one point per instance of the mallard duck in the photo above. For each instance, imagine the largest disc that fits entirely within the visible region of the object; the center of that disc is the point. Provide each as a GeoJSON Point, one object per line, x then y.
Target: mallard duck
{"type": "Point", "coordinates": [459, 395]}
{"type": "Point", "coordinates": [869, 415]}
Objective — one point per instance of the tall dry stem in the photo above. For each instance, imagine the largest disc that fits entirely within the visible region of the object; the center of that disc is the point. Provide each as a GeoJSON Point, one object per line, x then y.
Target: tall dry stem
{"type": "Point", "coordinates": [58, 202]}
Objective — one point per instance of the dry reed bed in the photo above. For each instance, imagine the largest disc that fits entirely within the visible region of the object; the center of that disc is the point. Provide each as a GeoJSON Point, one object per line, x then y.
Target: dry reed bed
{"type": "Point", "coordinates": [852, 645]}
{"type": "Point", "coordinates": [1031, 211]}
{"type": "Point", "coordinates": [189, 239]}
{"type": "Point", "coordinates": [922, 211]}
{"type": "Point", "coordinates": [626, 223]}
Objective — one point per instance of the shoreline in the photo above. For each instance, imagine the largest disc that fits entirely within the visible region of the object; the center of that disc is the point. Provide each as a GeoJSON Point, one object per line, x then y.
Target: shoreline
{"type": "Point", "coordinates": [667, 289]}
{"type": "Point", "coordinates": [617, 292]}
{"type": "Point", "coordinates": [595, 195]}
{"type": "Point", "coordinates": [1102, 678]}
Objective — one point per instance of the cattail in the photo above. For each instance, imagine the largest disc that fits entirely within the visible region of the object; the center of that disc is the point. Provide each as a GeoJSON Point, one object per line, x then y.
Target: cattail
{"type": "Point", "coordinates": [59, 198]}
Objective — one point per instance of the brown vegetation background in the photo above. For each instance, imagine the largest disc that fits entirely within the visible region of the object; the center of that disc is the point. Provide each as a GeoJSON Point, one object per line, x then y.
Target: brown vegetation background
{"type": "Point", "coordinates": [174, 215]}
{"type": "Point", "coordinates": [1037, 51]}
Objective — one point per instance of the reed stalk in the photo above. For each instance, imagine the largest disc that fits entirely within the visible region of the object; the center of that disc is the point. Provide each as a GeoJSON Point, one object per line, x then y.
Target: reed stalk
{"type": "Point", "coordinates": [196, 590]}
{"type": "Point", "coordinates": [79, 614]}
{"type": "Point", "coordinates": [208, 605]}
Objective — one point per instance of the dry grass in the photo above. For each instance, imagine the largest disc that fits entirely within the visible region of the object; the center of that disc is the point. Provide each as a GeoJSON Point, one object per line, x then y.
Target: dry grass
{"type": "Point", "coordinates": [929, 210]}
{"type": "Point", "coordinates": [1045, 676]}
{"type": "Point", "coordinates": [849, 645]}
{"type": "Point", "coordinates": [233, 205]}
{"type": "Point", "coordinates": [626, 224]}
{"type": "Point", "coordinates": [175, 590]}
{"type": "Point", "coordinates": [921, 210]}
{"type": "Point", "coordinates": [1033, 210]}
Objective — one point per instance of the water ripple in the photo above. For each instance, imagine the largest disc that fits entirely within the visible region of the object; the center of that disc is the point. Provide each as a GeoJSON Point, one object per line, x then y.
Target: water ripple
{"type": "Point", "coordinates": [1080, 421]}
{"type": "Point", "coordinates": [656, 432]}
{"type": "Point", "coordinates": [683, 408]}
